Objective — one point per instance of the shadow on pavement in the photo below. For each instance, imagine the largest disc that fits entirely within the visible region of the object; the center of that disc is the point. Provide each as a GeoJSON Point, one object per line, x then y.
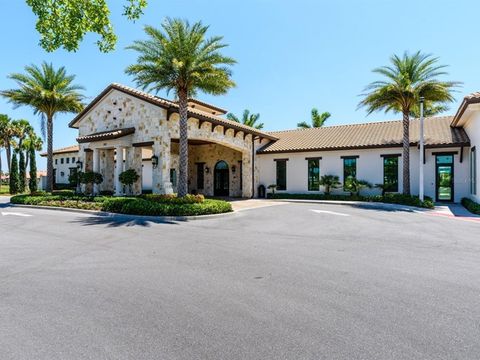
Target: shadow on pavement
{"type": "Point", "coordinates": [122, 220]}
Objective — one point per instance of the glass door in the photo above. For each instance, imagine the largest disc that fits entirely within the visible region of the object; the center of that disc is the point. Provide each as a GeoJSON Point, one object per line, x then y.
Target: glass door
{"type": "Point", "coordinates": [444, 178]}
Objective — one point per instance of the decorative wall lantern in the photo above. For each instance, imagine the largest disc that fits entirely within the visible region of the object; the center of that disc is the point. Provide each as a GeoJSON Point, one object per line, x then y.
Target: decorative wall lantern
{"type": "Point", "coordinates": [79, 164]}
{"type": "Point", "coordinates": [154, 161]}
{"type": "Point", "coordinates": [207, 169]}
{"type": "Point", "coordinates": [234, 168]}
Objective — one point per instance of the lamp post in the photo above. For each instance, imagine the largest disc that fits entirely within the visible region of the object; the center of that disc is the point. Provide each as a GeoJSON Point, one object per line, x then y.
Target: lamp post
{"type": "Point", "coordinates": [421, 194]}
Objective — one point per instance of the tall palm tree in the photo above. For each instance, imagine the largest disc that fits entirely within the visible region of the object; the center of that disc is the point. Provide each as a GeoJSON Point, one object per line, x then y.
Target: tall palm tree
{"type": "Point", "coordinates": [318, 120]}
{"type": "Point", "coordinates": [408, 78]}
{"type": "Point", "coordinates": [247, 119]}
{"type": "Point", "coordinates": [180, 58]}
{"type": "Point", "coordinates": [48, 91]}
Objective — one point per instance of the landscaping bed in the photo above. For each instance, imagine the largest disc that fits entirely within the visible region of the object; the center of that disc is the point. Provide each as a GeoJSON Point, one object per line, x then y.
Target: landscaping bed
{"type": "Point", "coordinates": [151, 205]}
{"type": "Point", "coordinates": [471, 206]}
{"type": "Point", "coordinates": [400, 199]}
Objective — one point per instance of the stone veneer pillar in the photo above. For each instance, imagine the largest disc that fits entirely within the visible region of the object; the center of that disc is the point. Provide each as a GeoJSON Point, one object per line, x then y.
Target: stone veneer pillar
{"type": "Point", "coordinates": [118, 170]}
{"type": "Point", "coordinates": [134, 161]}
{"type": "Point", "coordinates": [161, 174]}
{"type": "Point", "coordinates": [96, 168]}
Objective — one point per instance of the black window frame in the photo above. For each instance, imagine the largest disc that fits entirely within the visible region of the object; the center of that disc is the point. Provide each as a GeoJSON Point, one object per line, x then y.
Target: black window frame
{"type": "Point", "coordinates": [395, 186]}
{"type": "Point", "coordinates": [473, 171]}
{"type": "Point", "coordinates": [281, 174]}
{"type": "Point", "coordinates": [313, 180]}
{"type": "Point", "coordinates": [173, 177]}
{"type": "Point", "coordinates": [345, 176]}
{"type": "Point", "coordinates": [62, 160]}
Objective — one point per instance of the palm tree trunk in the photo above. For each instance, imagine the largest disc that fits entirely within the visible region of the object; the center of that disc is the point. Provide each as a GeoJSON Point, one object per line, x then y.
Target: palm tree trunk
{"type": "Point", "coordinates": [49, 154]}
{"type": "Point", "coordinates": [8, 153]}
{"type": "Point", "coordinates": [183, 166]}
{"type": "Point", "coordinates": [406, 152]}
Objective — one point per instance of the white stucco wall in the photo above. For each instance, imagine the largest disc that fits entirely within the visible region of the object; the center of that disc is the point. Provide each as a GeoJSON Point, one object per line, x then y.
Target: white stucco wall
{"type": "Point", "coordinates": [369, 168]}
{"type": "Point", "coordinates": [64, 168]}
{"type": "Point", "coordinates": [472, 127]}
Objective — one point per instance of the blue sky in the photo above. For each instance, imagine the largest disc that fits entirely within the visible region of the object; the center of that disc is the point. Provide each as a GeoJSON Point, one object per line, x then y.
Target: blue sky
{"type": "Point", "coordinates": [292, 55]}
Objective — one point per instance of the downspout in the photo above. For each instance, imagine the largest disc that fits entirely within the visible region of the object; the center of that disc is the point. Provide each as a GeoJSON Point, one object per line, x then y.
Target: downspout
{"type": "Point", "coordinates": [253, 166]}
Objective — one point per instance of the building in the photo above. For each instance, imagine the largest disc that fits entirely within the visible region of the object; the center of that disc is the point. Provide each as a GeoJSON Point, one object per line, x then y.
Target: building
{"type": "Point", "coordinates": [64, 164]}
{"type": "Point", "coordinates": [230, 159]}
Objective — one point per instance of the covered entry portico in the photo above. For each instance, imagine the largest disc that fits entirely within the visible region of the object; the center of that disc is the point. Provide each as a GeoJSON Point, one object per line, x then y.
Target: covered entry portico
{"type": "Point", "coordinates": [124, 128]}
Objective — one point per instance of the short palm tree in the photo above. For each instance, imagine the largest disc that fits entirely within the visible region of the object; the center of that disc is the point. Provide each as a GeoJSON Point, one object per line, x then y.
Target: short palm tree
{"type": "Point", "coordinates": [318, 120]}
{"type": "Point", "coordinates": [32, 142]}
{"type": "Point", "coordinates": [330, 182]}
{"type": "Point", "coordinates": [407, 79]}
{"type": "Point", "coordinates": [8, 132]}
{"type": "Point", "coordinates": [48, 91]}
{"type": "Point", "coordinates": [247, 119]}
{"type": "Point", "coordinates": [180, 58]}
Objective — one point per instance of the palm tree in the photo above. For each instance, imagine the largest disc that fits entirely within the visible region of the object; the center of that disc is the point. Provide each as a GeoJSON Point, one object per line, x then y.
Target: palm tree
{"type": "Point", "coordinates": [330, 182]}
{"type": "Point", "coordinates": [48, 91]}
{"type": "Point", "coordinates": [179, 57]}
{"type": "Point", "coordinates": [33, 141]}
{"type": "Point", "coordinates": [8, 131]}
{"type": "Point", "coordinates": [247, 119]}
{"type": "Point", "coordinates": [23, 128]}
{"type": "Point", "coordinates": [317, 120]}
{"type": "Point", "coordinates": [407, 79]}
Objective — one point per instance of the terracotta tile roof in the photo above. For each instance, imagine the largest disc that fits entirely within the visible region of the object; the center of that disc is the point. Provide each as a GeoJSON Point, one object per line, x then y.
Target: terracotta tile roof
{"type": "Point", "coordinates": [473, 98]}
{"type": "Point", "coordinates": [172, 106]}
{"type": "Point", "coordinates": [68, 149]}
{"type": "Point", "coordinates": [367, 135]}
{"type": "Point", "coordinates": [106, 135]}
{"type": "Point", "coordinates": [207, 105]}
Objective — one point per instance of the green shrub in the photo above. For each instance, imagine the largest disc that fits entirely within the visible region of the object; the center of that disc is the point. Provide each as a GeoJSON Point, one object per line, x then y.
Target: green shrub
{"type": "Point", "coordinates": [14, 179]}
{"type": "Point", "coordinates": [391, 198]}
{"type": "Point", "coordinates": [173, 199]}
{"type": "Point", "coordinates": [471, 205]}
{"type": "Point", "coordinates": [128, 178]}
{"type": "Point", "coordinates": [63, 192]}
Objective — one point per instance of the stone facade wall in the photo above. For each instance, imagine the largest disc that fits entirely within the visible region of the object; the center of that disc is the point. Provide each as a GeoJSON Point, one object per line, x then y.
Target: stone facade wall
{"type": "Point", "coordinates": [118, 110]}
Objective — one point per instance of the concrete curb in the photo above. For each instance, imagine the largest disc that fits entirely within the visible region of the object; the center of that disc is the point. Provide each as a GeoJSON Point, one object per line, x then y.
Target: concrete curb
{"type": "Point", "coordinates": [109, 214]}
{"type": "Point", "coordinates": [372, 205]}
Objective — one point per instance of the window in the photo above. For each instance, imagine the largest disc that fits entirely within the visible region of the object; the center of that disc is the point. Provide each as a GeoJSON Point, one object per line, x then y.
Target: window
{"type": "Point", "coordinates": [473, 171]}
{"type": "Point", "coordinates": [349, 170]}
{"type": "Point", "coordinates": [68, 160]}
{"type": "Point", "coordinates": [56, 161]}
{"type": "Point", "coordinates": [313, 174]}
{"type": "Point", "coordinates": [73, 160]}
{"type": "Point", "coordinates": [200, 176]}
{"type": "Point", "coordinates": [173, 177]}
{"type": "Point", "coordinates": [390, 173]}
{"type": "Point", "coordinates": [61, 161]}
{"type": "Point", "coordinates": [281, 174]}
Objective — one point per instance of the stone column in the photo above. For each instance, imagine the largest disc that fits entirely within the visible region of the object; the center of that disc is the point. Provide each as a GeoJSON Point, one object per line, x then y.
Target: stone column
{"type": "Point", "coordinates": [161, 174]}
{"type": "Point", "coordinates": [96, 168]}
{"type": "Point", "coordinates": [118, 170]}
{"type": "Point", "coordinates": [134, 161]}
{"type": "Point", "coordinates": [247, 174]}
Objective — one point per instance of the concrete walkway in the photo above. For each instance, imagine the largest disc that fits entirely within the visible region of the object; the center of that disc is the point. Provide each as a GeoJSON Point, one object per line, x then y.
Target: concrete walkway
{"type": "Point", "coordinates": [454, 210]}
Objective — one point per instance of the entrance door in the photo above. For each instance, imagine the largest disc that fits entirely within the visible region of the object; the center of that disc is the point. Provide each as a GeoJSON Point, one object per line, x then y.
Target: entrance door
{"type": "Point", "coordinates": [444, 177]}
{"type": "Point", "coordinates": [221, 179]}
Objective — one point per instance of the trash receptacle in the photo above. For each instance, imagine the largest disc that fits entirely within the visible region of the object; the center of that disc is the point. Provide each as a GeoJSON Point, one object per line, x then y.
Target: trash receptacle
{"type": "Point", "coordinates": [261, 191]}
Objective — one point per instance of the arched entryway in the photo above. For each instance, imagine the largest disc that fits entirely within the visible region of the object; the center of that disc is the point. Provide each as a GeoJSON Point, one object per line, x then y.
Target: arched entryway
{"type": "Point", "coordinates": [221, 179]}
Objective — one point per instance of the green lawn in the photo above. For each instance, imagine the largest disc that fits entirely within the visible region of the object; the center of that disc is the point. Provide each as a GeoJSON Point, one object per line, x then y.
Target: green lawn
{"type": "Point", "coordinates": [3, 189]}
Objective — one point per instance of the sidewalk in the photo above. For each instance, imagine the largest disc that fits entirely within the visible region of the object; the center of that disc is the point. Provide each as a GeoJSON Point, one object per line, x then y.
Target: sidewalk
{"type": "Point", "coordinates": [455, 211]}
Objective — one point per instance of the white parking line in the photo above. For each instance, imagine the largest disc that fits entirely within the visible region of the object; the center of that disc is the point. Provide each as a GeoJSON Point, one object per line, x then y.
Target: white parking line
{"type": "Point", "coordinates": [15, 214]}
{"type": "Point", "coordinates": [329, 212]}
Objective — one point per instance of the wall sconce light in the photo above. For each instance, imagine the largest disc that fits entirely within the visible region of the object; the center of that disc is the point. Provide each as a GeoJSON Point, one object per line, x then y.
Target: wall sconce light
{"type": "Point", "coordinates": [62, 174]}
{"type": "Point", "coordinates": [207, 169]}
{"type": "Point", "coordinates": [234, 168]}
{"type": "Point", "coordinates": [154, 159]}
{"type": "Point", "coordinates": [79, 164]}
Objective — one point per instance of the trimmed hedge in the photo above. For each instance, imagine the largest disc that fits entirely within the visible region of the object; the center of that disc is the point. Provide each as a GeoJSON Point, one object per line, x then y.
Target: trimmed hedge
{"type": "Point", "coordinates": [471, 205]}
{"type": "Point", "coordinates": [392, 198]}
{"type": "Point", "coordinates": [188, 206]}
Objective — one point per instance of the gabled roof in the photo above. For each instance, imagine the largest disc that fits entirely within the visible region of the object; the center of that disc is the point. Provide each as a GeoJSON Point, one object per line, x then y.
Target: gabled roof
{"type": "Point", "coordinates": [172, 107]}
{"type": "Point", "coordinates": [438, 132]}
{"type": "Point", "coordinates": [473, 98]}
{"type": "Point", "coordinates": [207, 105]}
{"type": "Point", "coordinates": [106, 135]}
{"type": "Point", "coordinates": [65, 150]}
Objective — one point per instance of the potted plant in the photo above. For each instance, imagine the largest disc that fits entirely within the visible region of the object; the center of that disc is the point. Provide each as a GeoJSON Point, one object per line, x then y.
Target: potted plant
{"type": "Point", "coordinates": [128, 178]}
